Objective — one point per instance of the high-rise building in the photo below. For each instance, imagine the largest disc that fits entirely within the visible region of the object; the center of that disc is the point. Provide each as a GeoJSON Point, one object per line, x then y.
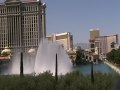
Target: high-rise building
{"type": "Point", "coordinates": [22, 24]}
{"type": "Point", "coordinates": [94, 33]}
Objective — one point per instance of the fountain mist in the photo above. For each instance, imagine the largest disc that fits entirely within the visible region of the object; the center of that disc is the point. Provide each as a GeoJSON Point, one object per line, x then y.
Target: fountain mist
{"type": "Point", "coordinates": [45, 60]}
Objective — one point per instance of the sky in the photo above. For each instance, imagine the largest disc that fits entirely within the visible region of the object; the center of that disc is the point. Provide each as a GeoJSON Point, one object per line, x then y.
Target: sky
{"type": "Point", "coordinates": [79, 16]}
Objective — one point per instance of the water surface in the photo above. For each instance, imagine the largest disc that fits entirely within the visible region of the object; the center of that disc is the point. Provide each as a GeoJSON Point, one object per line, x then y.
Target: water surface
{"type": "Point", "coordinates": [101, 67]}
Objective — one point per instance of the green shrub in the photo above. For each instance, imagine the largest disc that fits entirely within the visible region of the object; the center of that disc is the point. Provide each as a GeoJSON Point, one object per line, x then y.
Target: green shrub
{"type": "Point", "coordinates": [70, 81]}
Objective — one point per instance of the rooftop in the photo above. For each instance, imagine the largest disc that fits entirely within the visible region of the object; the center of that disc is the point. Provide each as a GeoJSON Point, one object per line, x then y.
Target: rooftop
{"type": "Point", "coordinates": [95, 29]}
{"type": "Point", "coordinates": [23, 1]}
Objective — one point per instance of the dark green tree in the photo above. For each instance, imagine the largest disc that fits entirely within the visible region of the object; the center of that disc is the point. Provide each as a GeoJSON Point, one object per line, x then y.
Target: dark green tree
{"type": "Point", "coordinates": [117, 57]}
{"type": "Point", "coordinates": [111, 55]}
{"type": "Point", "coordinates": [79, 57]}
{"type": "Point", "coordinates": [114, 56]}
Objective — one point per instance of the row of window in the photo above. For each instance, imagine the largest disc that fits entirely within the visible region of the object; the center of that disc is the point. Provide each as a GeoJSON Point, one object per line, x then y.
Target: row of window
{"type": "Point", "coordinates": [30, 8]}
{"type": "Point", "coordinates": [18, 14]}
{"type": "Point", "coordinates": [31, 42]}
{"type": "Point", "coordinates": [17, 9]}
{"type": "Point", "coordinates": [27, 42]}
{"type": "Point", "coordinates": [2, 28]}
{"type": "Point", "coordinates": [30, 19]}
{"type": "Point", "coordinates": [27, 37]}
{"type": "Point", "coordinates": [3, 42]}
{"type": "Point", "coordinates": [2, 45]}
{"type": "Point", "coordinates": [8, 10]}
{"type": "Point", "coordinates": [3, 38]}
{"type": "Point", "coordinates": [3, 20]}
{"type": "Point", "coordinates": [25, 20]}
{"type": "Point", "coordinates": [30, 28]}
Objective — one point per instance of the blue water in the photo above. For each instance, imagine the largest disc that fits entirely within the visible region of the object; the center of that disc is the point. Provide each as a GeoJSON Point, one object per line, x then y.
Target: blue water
{"type": "Point", "coordinates": [84, 69]}
{"type": "Point", "coordinates": [101, 67]}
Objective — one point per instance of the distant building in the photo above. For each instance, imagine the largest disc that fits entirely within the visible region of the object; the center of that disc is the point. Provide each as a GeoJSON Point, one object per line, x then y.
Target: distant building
{"type": "Point", "coordinates": [65, 39]}
{"type": "Point", "coordinates": [22, 24]}
{"type": "Point", "coordinates": [101, 45]}
{"type": "Point", "coordinates": [113, 39]}
{"type": "Point", "coordinates": [94, 33]}
{"type": "Point", "coordinates": [105, 43]}
{"type": "Point", "coordinates": [82, 45]}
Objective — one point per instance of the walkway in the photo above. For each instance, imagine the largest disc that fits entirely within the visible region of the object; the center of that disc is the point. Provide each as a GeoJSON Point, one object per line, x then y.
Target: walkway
{"type": "Point", "coordinates": [114, 67]}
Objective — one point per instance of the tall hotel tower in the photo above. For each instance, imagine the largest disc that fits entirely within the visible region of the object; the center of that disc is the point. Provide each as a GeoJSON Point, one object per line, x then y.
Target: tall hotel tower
{"type": "Point", "coordinates": [94, 33]}
{"type": "Point", "coordinates": [22, 24]}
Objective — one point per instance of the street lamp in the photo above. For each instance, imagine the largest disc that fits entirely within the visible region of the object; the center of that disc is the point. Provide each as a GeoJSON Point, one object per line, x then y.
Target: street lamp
{"type": "Point", "coordinates": [21, 64]}
{"type": "Point", "coordinates": [92, 72]}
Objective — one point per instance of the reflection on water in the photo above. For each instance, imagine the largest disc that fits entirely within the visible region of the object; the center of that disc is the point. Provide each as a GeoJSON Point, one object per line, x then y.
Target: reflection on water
{"type": "Point", "coordinates": [84, 69]}
{"type": "Point", "coordinates": [101, 67]}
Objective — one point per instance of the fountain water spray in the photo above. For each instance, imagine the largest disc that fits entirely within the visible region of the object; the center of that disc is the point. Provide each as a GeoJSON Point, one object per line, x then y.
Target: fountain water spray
{"type": "Point", "coordinates": [45, 60]}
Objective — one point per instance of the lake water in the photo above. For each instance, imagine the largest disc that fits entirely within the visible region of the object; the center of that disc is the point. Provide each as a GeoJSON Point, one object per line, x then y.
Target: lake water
{"type": "Point", "coordinates": [101, 67]}
{"type": "Point", "coordinates": [84, 69]}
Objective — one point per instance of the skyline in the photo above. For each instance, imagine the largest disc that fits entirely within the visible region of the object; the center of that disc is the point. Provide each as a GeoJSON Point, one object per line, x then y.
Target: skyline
{"type": "Point", "coordinates": [79, 16]}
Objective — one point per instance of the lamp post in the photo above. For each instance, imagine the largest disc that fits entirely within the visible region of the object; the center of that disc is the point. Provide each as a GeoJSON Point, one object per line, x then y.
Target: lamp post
{"type": "Point", "coordinates": [21, 64]}
{"type": "Point", "coordinates": [92, 72]}
{"type": "Point", "coordinates": [56, 68]}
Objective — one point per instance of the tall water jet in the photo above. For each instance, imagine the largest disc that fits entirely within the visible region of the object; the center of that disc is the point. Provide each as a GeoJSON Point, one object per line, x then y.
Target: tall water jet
{"type": "Point", "coordinates": [15, 65]}
{"type": "Point", "coordinates": [45, 58]}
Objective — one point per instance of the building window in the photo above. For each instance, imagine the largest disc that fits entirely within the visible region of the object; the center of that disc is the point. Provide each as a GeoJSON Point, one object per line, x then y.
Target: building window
{"type": "Point", "coordinates": [92, 45]}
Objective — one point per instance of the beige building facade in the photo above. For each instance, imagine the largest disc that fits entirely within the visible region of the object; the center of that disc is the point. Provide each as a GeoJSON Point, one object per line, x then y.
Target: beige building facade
{"type": "Point", "coordinates": [94, 33]}
{"type": "Point", "coordinates": [65, 39]}
{"type": "Point", "coordinates": [22, 24]}
{"type": "Point", "coordinates": [104, 43]}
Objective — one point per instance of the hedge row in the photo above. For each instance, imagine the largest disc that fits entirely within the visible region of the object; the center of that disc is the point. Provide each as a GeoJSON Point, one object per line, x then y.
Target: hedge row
{"type": "Point", "coordinates": [70, 81]}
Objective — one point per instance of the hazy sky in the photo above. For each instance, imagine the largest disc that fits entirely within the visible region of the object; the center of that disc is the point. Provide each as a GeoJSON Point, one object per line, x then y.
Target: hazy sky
{"type": "Point", "coordinates": [78, 16]}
